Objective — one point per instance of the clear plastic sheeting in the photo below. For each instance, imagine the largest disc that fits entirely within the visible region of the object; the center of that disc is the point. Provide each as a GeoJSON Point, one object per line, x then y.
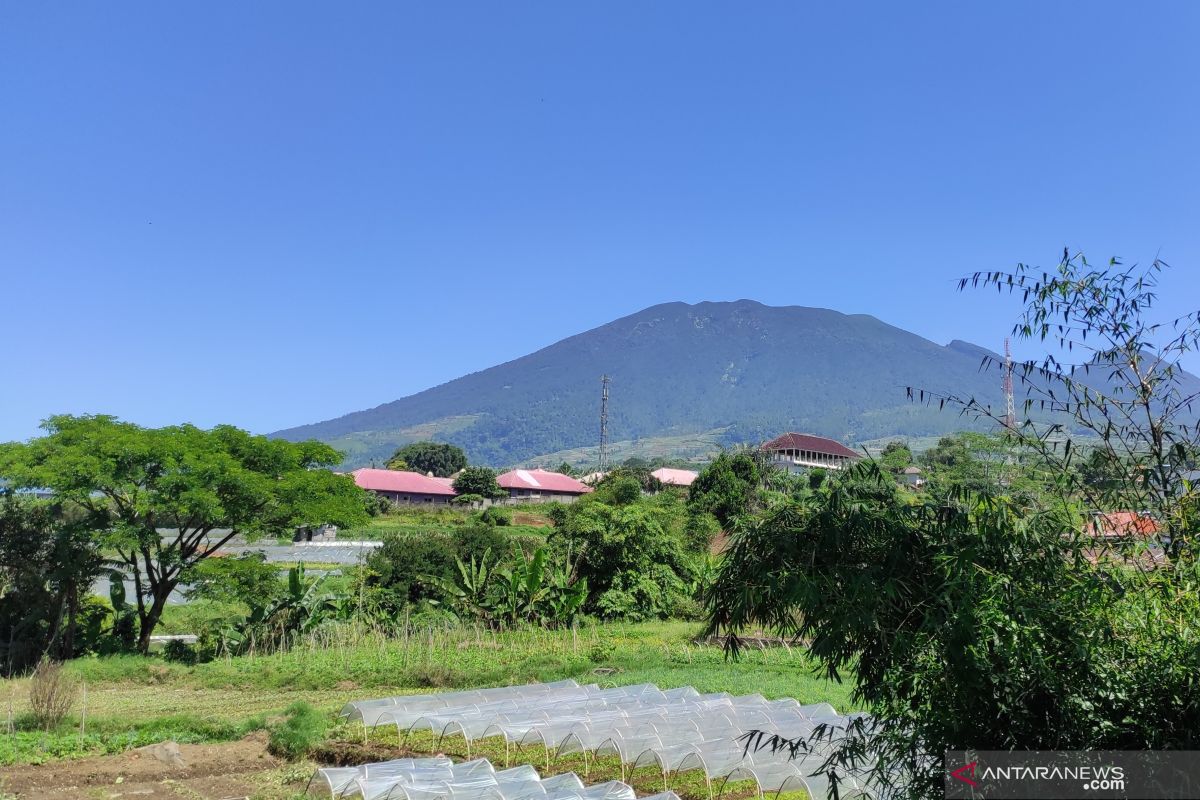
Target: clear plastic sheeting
{"type": "Point", "coordinates": [676, 730]}
{"type": "Point", "coordinates": [439, 779]}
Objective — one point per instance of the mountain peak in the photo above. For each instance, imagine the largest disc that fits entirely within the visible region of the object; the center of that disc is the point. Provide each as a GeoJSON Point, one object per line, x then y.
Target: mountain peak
{"type": "Point", "coordinates": [741, 368]}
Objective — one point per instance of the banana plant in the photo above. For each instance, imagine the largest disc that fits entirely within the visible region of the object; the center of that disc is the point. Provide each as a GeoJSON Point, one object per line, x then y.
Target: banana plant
{"type": "Point", "coordinates": [301, 608]}
{"type": "Point", "coordinates": [468, 593]}
{"type": "Point", "coordinates": [565, 598]}
{"type": "Point", "coordinates": [523, 588]}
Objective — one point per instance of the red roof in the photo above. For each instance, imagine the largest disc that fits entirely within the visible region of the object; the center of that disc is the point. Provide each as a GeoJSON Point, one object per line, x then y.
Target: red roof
{"type": "Point", "coordinates": [806, 441]}
{"type": "Point", "coordinates": [541, 479]}
{"type": "Point", "coordinates": [675, 477]}
{"type": "Point", "coordinates": [1123, 523]}
{"type": "Point", "coordinates": [390, 480]}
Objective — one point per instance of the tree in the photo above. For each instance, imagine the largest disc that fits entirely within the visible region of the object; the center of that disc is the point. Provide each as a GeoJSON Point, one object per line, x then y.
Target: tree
{"type": "Point", "coordinates": [48, 562]}
{"type": "Point", "coordinates": [727, 487]}
{"type": "Point", "coordinates": [634, 556]}
{"type": "Point", "coordinates": [478, 481]}
{"type": "Point", "coordinates": [442, 459]}
{"type": "Point", "coordinates": [566, 469]}
{"type": "Point", "coordinates": [895, 457]}
{"type": "Point", "coordinates": [985, 616]}
{"type": "Point", "coordinates": [1124, 390]}
{"type": "Point", "coordinates": [165, 499]}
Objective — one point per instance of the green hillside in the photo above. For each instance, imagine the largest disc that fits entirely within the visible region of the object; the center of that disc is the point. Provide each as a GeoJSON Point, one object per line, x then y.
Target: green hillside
{"type": "Point", "coordinates": [698, 375]}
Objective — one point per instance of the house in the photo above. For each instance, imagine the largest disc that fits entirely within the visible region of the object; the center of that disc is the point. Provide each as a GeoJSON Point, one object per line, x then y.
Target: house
{"type": "Point", "coordinates": [675, 477]}
{"type": "Point", "coordinates": [797, 452]}
{"type": "Point", "coordinates": [407, 488]}
{"type": "Point", "coordinates": [537, 485]}
{"type": "Point", "coordinates": [912, 476]}
{"type": "Point", "coordinates": [1123, 525]}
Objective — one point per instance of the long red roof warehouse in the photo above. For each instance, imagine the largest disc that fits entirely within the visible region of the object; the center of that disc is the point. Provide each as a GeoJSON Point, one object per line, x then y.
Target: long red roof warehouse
{"type": "Point", "coordinates": [541, 479]}
{"type": "Point", "coordinates": [390, 480]}
{"type": "Point", "coordinates": [815, 444]}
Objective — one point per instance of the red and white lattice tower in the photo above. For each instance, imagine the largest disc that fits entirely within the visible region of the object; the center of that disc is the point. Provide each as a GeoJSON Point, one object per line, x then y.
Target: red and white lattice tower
{"type": "Point", "coordinates": [1010, 411]}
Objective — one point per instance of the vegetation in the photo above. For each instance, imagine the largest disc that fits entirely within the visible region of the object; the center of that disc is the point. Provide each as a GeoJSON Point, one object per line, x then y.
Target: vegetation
{"type": "Point", "coordinates": [165, 499]}
{"type": "Point", "coordinates": [439, 458]}
{"type": "Point", "coordinates": [480, 482]}
{"type": "Point", "coordinates": [51, 694]}
{"type": "Point", "coordinates": [303, 728]}
{"type": "Point", "coordinates": [982, 613]}
{"type": "Point", "coordinates": [48, 560]}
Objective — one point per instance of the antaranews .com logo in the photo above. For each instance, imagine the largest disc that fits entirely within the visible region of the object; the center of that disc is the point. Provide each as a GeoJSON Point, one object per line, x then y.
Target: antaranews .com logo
{"type": "Point", "coordinates": [1073, 774]}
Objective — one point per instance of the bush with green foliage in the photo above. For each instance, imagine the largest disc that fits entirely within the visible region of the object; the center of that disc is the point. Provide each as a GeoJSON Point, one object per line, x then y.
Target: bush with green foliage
{"type": "Point", "coordinates": [495, 516]}
{"type": "Point", "coordinates": [635, 556]}
{"type": "Point", "coordinates": [248, 579]}
{"type": "Point", "coordinates": [727, 488]}
{"type": "Point", "coordinates": [302, 729]}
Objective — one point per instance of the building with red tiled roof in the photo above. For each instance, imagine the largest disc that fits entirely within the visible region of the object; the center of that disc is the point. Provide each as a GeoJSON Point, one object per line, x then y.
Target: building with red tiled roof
{"type": "Point", "coordinates": [1123, 525]}
{"type": "Point", "coordinates": [409, 488]}
{"type": "Point", "coordinates": [534, 485]}
{"type": "Point", "coordinates": [797, 452]}
{"type": "Point", "coordinates": [675, 477]}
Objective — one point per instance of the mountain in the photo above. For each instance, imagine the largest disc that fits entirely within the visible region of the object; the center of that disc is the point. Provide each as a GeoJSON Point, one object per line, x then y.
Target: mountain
{"type": "Point", "coordinates": [723, 372]}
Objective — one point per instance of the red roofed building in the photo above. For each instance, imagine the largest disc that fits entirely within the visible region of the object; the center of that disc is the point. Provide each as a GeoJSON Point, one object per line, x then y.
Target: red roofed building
{"type": "Point", "coordinates": [1123, 525]}
{"type": "Point", "coordinates": [535, 485]}
{"type": "Point", "coordinates": [675, 477]}
{"type": "Point", "coordinates": [796, 452]}
{"type": "Point", "coordinates": [409, 488]}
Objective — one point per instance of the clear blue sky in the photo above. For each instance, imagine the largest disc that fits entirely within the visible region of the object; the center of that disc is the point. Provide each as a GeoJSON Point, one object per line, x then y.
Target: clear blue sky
{"type": "Point", "coordinates": [274, 213]}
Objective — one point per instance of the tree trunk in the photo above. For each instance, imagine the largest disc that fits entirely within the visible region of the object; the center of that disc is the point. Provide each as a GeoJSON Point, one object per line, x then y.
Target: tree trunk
{"type": "Point", "coordinates": [148, 620]}
{"type": "Point", "coordinates": [68, 642]}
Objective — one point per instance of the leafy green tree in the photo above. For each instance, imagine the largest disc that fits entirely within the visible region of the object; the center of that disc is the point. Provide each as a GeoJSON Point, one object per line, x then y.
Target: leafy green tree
{"type": "Point", "coordinates": [48, 562]}
{"type": "Point", "coordinates": [727, 487]}
{"type": "Point", "coordinates": [566, 469]}
{"type": "Point", "coordinates": [165, 499]}
{"type": "Point", "coordinates": [635, 556]}
{"type": "Point", "coordinates": [895, 457]}
{"type": "Point", "coordinates": [440, 458]}
{"type": "Point", "coordinates": [478, 481]}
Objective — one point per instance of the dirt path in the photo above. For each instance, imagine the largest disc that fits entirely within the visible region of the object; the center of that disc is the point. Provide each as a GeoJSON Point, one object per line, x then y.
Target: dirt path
{"type": "Point", "coordinates": [194, 771]}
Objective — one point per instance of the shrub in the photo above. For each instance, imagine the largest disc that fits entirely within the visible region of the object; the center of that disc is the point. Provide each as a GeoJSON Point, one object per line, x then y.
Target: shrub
{"type": "Point", "coordinates": [472, 541]}
{"type": "Point", "coordinates": [303, 729]}
{"type": "Point", "coordinates": [178, 652]}
{"type": "Point", "coordinates": [397, 566]}
{"type": "Point", "coordinates": [51, 693]}
{"type": "Point", "coordinates": [493, 515]}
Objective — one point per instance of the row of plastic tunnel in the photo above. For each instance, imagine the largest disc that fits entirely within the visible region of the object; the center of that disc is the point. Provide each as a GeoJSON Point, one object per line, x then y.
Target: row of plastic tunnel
{"type": "Point", "coordinates": [674, 730]}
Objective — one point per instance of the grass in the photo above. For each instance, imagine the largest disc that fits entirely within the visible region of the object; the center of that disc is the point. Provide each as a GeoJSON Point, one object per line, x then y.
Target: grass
{"type": "Point", "coordinates": [528, 520]}
{"type": "Point", "coordinates": [133, 701]}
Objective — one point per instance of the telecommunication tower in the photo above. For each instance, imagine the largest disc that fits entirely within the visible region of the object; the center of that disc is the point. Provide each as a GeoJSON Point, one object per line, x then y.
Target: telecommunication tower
{"type": "Point", "coordinates": [1010, 411]}
{"type": "Point", "coordinates": [604, 380]}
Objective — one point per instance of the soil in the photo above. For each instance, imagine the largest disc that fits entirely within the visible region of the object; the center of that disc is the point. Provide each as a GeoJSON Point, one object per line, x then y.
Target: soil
{"type": "Point", "coordinates": [216, 771]}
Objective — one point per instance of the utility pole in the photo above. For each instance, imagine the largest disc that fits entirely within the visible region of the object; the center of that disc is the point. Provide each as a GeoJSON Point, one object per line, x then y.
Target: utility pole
{"type": "Point", "coordinates": [604, 380]}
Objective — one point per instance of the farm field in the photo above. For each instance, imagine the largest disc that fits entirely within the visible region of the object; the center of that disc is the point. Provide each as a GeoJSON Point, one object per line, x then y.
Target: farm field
{"type": "Point", "coordinates": [228, 705]}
